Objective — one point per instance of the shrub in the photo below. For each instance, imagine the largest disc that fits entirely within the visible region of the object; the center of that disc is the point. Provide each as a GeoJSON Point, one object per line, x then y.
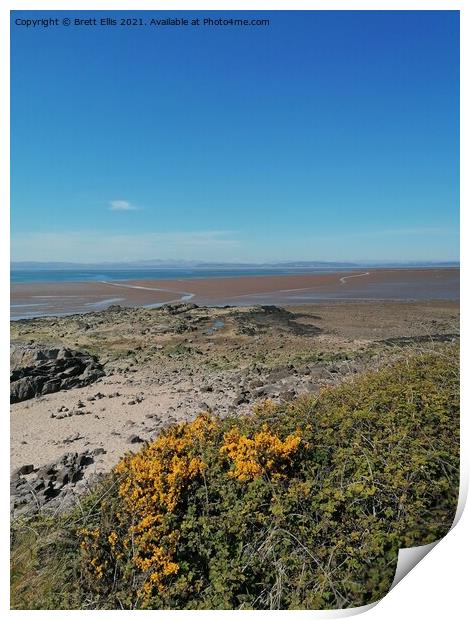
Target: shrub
{"type": "Point", "coordinates": [296, 506]}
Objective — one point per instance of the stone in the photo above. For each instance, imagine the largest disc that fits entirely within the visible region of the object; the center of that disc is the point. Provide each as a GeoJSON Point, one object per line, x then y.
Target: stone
{"type": "Point", "coordinates": [135, 439]}
{"type": "Point", "coordinates": [240, 398]}
{"type": "Point", "coordinates": [36, 371]}
{"type": "Point", "coordinates": [287, 396]}
{"type": "Point", "coordinates": [25, 470]}
{"type": "Point", "coordinates": [279, 375]}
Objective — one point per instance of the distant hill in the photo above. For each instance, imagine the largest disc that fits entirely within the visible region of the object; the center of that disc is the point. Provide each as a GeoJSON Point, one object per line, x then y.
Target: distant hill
{"type": "Point", "coordinates": [185, 264]}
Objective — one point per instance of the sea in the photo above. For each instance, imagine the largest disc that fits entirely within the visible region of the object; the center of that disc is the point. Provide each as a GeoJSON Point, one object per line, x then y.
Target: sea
{"type": "Point", "coordinates": [30, 276]}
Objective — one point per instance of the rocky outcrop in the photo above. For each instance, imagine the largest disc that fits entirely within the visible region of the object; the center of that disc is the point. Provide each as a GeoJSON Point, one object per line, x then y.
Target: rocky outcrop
{"type": "Point", "coordinates": [35, 370]}
{"type": "Point", "coordinates": [32, 488]}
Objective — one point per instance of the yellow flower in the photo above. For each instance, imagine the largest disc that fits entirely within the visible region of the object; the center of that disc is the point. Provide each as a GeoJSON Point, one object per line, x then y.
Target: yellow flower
{"type": "Point", "coordinates": [265, 453]}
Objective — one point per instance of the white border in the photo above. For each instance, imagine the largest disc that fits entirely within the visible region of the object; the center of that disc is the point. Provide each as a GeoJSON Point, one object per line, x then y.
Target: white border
{"type": "Point", "coordinates": [438, 586]}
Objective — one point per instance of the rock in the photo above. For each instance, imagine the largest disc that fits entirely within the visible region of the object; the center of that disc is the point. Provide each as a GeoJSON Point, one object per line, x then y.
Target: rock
{"type": "Point", "coordinates": [287, 396]}
{"type": "Point", "coordinates": [240, 398]}
{"type": "Point", "coordinates": [135, 439]}
{"type": "Point", "coordinates": [24, 388]}
{"type": "Point", "coordinates": [114, 308]}
{"type": "Point", "coordinates": [46, 471]}
{"type": "Point", "coordinates": [23, 470]}
{"type": "Point", "coordinates": [62, 479]}
{"type": "Point", "coordinates": [312, 387]}
{"type": "Point", "coordinates": [267, 390]}
{"type": "Point", "coordinates": [279, 375]}
{"type": "Point", "coordinates": [38, 485]}
{"type": "Point", "coordinates": [36, 371]}
{"type": "Point", "coordinates": [51, 482]}
{"type": "Point", "coordinates": [72, 438]}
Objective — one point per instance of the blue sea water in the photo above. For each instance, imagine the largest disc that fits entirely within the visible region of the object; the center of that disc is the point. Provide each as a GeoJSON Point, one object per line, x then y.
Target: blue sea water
{"type": "Point", "coordinates": [24, 276]}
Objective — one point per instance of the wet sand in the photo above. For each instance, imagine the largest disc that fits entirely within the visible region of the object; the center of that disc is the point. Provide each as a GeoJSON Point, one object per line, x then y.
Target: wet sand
{"type": "Point", "coordinates": [55, 298]}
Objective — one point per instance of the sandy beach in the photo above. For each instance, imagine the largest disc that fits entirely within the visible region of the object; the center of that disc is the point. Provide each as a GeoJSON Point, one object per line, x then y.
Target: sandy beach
{"type": "Point", "coordinates": [168, 364]}
{"type": "Point", "coordinates": [43, 298]}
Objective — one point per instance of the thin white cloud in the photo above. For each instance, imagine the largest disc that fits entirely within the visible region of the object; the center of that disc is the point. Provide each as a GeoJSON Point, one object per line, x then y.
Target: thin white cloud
{"type": "Point", "coordinates": [92, 246]}
{"type": "Point", "coordinates": [121, 205]}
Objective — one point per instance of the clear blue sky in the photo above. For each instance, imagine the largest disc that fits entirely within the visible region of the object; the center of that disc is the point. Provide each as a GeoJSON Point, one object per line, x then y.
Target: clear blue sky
{"type": "Point", "coordinates": [324, 136]}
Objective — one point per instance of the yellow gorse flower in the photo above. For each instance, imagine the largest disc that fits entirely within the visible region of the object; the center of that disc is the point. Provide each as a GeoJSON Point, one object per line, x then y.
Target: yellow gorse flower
{"type": "Point", "coordinates": [265, 453]}
{"type": "Point", "coordinates": [153, 482]}
{"type": "Point", "coordinates": [152, 486]}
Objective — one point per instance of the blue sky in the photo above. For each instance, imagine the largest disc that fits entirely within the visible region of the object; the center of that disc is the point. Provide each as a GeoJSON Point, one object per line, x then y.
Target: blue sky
{"type": "Point", "coordinates": [323, 136]}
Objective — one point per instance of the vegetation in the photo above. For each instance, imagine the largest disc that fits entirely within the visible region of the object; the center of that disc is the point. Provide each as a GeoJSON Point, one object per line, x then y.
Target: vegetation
{"type": "Point", "coordinates": [303, 505]}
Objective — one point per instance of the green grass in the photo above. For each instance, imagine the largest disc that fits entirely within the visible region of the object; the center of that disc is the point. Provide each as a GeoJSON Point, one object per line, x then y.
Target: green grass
{"type": "Point", "coordinates": [377, 469]}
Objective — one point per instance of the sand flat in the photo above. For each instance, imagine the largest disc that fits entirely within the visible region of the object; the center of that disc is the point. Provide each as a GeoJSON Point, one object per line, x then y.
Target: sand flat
{"type": "Point", "coordinates": [42, 298]}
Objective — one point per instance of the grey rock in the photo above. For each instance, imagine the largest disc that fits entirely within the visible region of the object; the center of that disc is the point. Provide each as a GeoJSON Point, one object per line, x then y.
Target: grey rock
{"type": "Point", "coordinates": [280, 374]}
{"type": "Point", "coordinates": [287, 395]}
{"type": "Point", "coordinates": [240, 398]}
{"type": "Point", "coordinates": [267, 390]}
{"type": "Point", "coordinates": [36, 371]}
{"type": "Point", "coordinates": [135, 439]}
{"type": "Point", "coordinates": [24, 470]}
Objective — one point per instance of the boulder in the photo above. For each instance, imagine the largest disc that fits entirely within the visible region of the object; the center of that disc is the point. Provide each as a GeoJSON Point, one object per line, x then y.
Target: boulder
{"type": "Point", "coordinates": [36, 371]}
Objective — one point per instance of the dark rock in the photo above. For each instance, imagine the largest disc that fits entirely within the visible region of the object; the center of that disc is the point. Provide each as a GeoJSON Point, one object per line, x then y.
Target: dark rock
{"type": "Point", "coordinates": [241, 398]}
{"type": "Point", "coordinates": [135, 439]}
{"type": "Point", "coordinates": [72, 438]}
{"type": "Point", "coordinates": [36, 371]}
{"type": "Point", "coordinates": [63, 478]}
{"type": "Point", "coordinates": [24, 388]}
{"type": "Point", "coordinates": [267, 390]}
{"type": "Point", "coordinates": [46, 471]}
{"type": "Point", "coordinates": [178, 308]}
{"type": "Point", "coordinates": [114, 308]}
{"type": "Point", "coordinates": [38, 485]}
{"type": "Point", "coordinates": [24, 470]}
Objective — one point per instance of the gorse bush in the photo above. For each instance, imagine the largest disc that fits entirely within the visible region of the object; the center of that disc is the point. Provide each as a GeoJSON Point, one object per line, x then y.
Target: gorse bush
{"type": "Point", "coordinates": [296, 506]}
